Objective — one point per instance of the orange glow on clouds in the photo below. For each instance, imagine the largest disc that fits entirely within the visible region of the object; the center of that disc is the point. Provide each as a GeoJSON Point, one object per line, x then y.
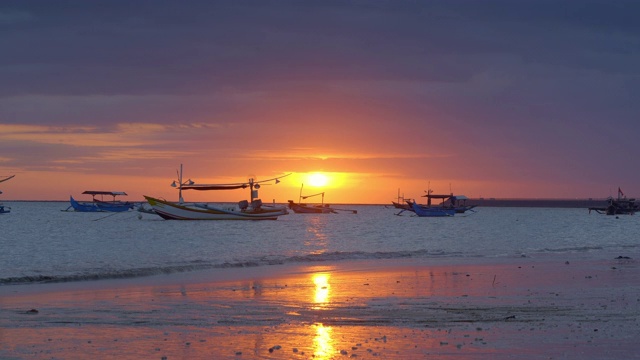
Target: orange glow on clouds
{"type": "Point", "coordinates": [53, 162]}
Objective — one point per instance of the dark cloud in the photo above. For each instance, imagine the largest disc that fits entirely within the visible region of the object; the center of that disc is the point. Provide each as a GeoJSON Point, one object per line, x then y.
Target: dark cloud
{"type": "Point", "coordinates": [527, 84]}
{"type": "Point", "coordinates": [143, 47]}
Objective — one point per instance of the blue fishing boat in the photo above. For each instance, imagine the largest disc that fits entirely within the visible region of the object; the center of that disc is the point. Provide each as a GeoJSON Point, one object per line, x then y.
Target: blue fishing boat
{"type": "Point", "coordinates": [432, 211]}
{"type": "Point", "coordinates": [100, 205]}
{"type": "Point", "coordinates": [449, 205]}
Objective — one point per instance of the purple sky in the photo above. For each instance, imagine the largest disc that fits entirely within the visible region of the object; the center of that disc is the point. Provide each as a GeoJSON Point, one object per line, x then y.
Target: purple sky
{"type": "Point", "coordinates": [510, 98]}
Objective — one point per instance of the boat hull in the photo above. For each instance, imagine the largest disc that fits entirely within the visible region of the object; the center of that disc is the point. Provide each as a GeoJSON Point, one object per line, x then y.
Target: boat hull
{"type": "Point", "coordinates": [99, 206]}
{"type": "Point", "coordinates": [203, 211]}
{"type": "Point", "coordinates": [82, 207]}
{"type": "Point", "coordinates": [306, 209]}
{"type": "Point", "coordinates": [436, 211]}
{"type": "Point", "coordinates": [121, 207]}
{"type": "Point", "coordinates": [463, 209]}
{"type": "Point", "coordinates": [401, 206]}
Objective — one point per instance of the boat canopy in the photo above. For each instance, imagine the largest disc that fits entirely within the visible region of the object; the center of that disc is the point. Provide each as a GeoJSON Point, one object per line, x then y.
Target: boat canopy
{"type": "Point", "coordinates": [112, 193]}
{"type": "Point", "coordinates": [233, 186]}
{"type": "Point", "coordinates": [433, 196]}
{"type": "Point", "coordinates": [205, 187]}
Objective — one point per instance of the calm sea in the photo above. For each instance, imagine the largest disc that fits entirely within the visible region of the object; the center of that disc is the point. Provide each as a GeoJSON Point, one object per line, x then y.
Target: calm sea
{"type": "Point", "coordinates": [41, 243]}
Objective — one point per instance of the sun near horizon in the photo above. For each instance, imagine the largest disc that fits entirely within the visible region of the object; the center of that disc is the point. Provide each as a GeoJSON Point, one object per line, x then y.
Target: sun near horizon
{"type": "Point", "coordinates": [318, 179]}
{"type": "Point", "coordinates": [339, 187]}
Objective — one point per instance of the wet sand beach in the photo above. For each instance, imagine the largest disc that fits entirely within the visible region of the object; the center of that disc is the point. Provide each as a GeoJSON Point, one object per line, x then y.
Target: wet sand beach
{"type": "Point", "coordinates": [565, 306]}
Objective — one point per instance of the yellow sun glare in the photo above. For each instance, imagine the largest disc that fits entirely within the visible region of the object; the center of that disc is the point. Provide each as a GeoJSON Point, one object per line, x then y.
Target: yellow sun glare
{"type": "Point", "coordinates": [318, 179]}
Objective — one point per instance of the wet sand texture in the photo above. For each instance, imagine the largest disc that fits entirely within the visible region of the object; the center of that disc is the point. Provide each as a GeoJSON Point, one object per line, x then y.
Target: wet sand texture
{"type": "Point", "coordinates": [518, 309]}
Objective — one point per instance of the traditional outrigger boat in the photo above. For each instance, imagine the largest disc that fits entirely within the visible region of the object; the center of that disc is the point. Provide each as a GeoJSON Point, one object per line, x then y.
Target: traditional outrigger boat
{"type": "Point", "coordinates": [449, 206]}
{"type": "Point", "coordinates": [619, 206]}
{"type": "Point", "coordinates": [402, 203]}
{"type": "Point", "coordinates": [5, 209]}
{"type": "Point", "coordinates": [322, 208]}
{"type": "Point", "coordinates": [100, 205]}
{"type": "Point", "coordinates": [245, 210]}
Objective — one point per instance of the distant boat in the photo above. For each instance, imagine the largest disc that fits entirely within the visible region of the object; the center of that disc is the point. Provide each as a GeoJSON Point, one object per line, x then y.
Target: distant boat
{"type": "Point", "coordinates": [619, 206]}
{"type": "Point", "coordinates": [456, 202]}
{"type": "Point", "coordinates": [300, 208]}
{"type": "Point", "coordinates": [100, 205]}
{"type": "Point", "coordinates": [449, 206]}
{"type": "Point", "coordinates": [5, 209]}
{"type": "Point", "coordinates": [245, 210]}
{"type": "Point", "coordinates": [322, 208]}
{"type": "Point", "coordinates": [402, 203]}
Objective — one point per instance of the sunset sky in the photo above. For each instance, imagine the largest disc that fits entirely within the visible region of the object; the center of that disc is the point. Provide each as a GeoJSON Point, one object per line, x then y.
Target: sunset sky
{"type": "Point", "coordinates": [486, 98]}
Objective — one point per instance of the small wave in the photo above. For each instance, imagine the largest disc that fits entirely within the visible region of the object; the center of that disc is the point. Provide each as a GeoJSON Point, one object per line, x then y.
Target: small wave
{"type": "Point", "coordinates": [573, 249]}
{"type": "Point", "coordinates": [98, 274]}
{"type": "Point", "coordinates": [101, 275]}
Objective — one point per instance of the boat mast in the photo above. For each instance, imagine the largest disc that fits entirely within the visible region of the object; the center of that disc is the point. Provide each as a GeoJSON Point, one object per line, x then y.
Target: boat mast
{"type": "Point", "coordinates": [252, 186]}
{"type": "Point", "coordinates": [180, 187]}
{"type": "Point", "coordinates": [300, 197]}
{"type": "Point", "coordinates": [180, 184]}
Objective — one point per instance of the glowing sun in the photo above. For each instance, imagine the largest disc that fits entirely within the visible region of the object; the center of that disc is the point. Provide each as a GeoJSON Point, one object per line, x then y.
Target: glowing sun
{"type": "Point", "coordinates": [318, 179]}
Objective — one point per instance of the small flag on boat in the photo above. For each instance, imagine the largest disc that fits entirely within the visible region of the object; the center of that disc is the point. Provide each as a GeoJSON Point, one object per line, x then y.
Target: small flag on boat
{"type": "Point", "coordinates": [620, 193]}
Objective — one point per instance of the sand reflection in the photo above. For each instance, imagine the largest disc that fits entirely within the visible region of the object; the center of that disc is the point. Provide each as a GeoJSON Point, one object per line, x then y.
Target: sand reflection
{"type": "Point", "coordinates": [460, 311]}
{"type": "Point", "coordinates": [322, 294]}
{"type": "Point", "coordinates": [323, 342]}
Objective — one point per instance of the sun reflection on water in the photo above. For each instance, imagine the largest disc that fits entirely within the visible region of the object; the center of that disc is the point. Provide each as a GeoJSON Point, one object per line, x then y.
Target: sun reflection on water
{"type": "Point", "coordinates": [323, 342]}
{"type": "Point", "coordinates": [316, 239]}
{"type": "Point", "coordinates": [321, 294]}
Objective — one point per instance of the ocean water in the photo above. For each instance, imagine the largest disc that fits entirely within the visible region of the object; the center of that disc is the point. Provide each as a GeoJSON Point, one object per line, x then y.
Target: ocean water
{"type": "Point", "coordinates": [41, 243]}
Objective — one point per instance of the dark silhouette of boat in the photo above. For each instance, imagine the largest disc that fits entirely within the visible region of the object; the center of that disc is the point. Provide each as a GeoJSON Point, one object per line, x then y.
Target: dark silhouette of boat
{"type": "Point", "coordinates": [322, 208]}
{"type": "Point", "coordinates": [618, 206]}
{"type": "Point", "coordinates": [449, 205]}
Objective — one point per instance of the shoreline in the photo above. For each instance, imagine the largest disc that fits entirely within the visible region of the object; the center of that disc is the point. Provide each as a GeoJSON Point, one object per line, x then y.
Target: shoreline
{"type": "Point", "coordinates": [557, 306]}
{"type": "Point", "coordinates": [283, 270]}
